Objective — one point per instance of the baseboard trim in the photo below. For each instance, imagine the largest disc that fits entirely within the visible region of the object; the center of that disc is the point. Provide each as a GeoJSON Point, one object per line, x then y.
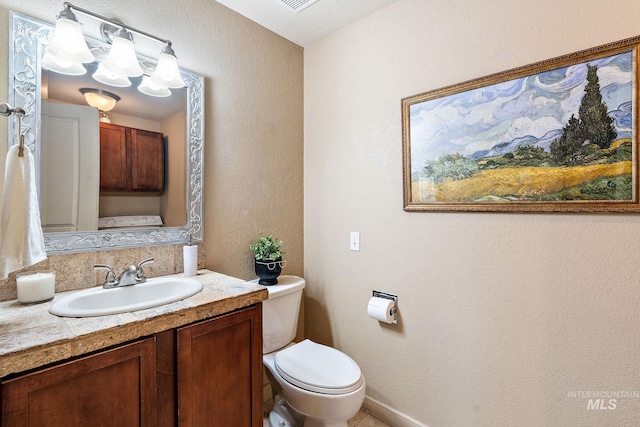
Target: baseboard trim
{"type": "Point", "coordinates": [389, 415]}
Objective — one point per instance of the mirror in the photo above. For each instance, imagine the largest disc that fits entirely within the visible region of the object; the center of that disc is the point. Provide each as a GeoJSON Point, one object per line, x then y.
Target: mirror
{"type": "Point", "coordinates": [28, 38]}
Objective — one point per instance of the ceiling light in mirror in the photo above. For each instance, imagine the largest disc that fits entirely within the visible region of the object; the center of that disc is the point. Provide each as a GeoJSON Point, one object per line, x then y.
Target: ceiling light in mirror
{"type": "Point", "coordinates": [101, 99]}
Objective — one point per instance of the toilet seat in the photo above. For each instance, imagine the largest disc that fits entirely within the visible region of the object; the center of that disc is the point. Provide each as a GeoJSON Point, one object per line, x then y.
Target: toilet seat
{"type": "Point", "coordinates": [318, 368]}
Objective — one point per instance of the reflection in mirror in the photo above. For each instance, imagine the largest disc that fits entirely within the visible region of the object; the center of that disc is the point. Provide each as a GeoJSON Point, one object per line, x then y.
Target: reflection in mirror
{"type": "Point", "coordinates": [73, 127]}
{"type": "Point", "coordinates": [54, 105]}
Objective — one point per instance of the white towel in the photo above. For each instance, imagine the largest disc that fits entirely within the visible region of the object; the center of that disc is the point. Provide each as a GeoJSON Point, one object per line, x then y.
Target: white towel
{"type": "Point", "coordinates": [21, 238]}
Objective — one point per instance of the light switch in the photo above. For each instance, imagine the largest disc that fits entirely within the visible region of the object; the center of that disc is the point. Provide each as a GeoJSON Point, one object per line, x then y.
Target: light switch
{"type": "Point", "coordinates": [354, 242]}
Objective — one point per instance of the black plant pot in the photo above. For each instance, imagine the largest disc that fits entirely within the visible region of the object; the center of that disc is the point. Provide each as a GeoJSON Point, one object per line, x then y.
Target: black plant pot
{"type": "Point", "coordinates": [268, 271]}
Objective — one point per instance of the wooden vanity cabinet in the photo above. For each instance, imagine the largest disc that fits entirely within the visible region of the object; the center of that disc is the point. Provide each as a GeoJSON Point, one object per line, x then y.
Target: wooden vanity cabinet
{"type": "Point", "coordinates": [220, 371]}
{"type": "Point", "coordinates": [205, 374]}
{"type": "Point", "coordinates": [131, 159]}
{"type": "Point", "coordinates": [115, 387]}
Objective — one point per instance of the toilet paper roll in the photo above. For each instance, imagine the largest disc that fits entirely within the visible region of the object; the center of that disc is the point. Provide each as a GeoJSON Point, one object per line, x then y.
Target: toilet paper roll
{"type": "Point", "coordinates": [380, 309]}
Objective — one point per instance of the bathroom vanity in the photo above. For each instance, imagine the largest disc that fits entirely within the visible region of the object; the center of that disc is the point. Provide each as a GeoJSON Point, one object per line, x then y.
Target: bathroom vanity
{"type": "Point", "coordinates": [193, 362]}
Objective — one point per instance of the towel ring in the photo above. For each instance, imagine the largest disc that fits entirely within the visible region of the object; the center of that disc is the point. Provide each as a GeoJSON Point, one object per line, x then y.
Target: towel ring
{"type": "Point", "coordinates": [6, 110]}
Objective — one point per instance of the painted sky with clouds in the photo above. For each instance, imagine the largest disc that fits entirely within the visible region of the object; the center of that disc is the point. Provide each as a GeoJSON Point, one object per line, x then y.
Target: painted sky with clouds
{"type": "Point", "coordinates": [481, 118]}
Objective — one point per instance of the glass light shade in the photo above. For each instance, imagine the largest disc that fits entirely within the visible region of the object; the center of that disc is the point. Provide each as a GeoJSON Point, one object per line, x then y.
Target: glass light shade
{"type": "Point", "coordinates": [122, 60]}
{"type": "Point", "coordinates": [61, 66]}
{"type": "Point", "coordinates": [68, 43]}
{"type": "Point", "coordinates": [105, 76]}
{"type": "Point", "coordinates": [100, 99]}
{"type": "Point", "coordinates": [167, 72]}
{"type": "Point", "coordinates": [148, 87]}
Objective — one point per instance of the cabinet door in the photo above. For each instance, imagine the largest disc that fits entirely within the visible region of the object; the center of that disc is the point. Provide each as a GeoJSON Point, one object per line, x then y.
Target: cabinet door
{"type": "Point", "coordinates": [114, 170]}
{"type": "Point", "coordinates": [112, 388]}
{"type": "Point", "coordinates": [147, 161]}
{"type": "Point", "coordinates": [220, 371]}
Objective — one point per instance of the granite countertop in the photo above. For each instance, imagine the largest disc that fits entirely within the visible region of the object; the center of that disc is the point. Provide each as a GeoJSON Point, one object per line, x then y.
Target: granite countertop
{"type": "Point", "coordinates": [31, 337]}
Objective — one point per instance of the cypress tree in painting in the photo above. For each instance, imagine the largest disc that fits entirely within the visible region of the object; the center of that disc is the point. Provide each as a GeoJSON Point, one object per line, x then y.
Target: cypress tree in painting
{"type": "Point", "coordinates": [569, 142]}
{"type": "Point", "coordinates": [597, 126]}
{"type": "Point", "coordinates": [593, 124]}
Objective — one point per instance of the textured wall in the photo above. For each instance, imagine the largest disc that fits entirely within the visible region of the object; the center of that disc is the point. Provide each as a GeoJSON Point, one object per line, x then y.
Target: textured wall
{"type": "Point", "coordinates": [253, 110]}
{"type": "Point", "coordinates": [173, 202]}
{"type": "Point", "coordinates": [501, 315]}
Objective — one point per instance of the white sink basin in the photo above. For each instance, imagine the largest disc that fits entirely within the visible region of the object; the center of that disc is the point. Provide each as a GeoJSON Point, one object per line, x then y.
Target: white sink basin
{"type": "Point", "coordinates": [100, 302]}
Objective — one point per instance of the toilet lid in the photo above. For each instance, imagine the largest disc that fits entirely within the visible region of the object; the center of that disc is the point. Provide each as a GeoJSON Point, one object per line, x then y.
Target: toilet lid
{"type": "Point", "coordinates": [316, 367]}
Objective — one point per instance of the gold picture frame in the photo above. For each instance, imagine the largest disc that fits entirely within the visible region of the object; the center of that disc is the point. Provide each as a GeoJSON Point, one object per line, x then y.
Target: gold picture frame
{"type": "Point", "coordinates": [555, 136]}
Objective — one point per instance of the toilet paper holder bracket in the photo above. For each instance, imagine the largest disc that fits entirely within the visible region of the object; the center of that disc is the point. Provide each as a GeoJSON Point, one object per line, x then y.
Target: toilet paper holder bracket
{"type": "Point", "coordinates": [394, 309]}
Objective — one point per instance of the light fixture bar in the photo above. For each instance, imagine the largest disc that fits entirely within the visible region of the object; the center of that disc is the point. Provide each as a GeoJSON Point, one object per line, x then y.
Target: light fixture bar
{"type": "Point", "coordinates": [68, 5]}
{"type": "Point", "coordinates": [122, 62]}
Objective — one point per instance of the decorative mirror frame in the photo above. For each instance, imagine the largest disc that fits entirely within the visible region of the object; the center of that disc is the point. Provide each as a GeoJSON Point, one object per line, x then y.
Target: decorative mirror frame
{"type": "Point", "coordinates": [27, 40]}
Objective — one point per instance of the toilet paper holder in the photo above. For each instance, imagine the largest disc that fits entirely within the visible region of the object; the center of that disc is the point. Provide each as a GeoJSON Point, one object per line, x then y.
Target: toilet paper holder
{"type": "Point", "coordinates": [394, 309]}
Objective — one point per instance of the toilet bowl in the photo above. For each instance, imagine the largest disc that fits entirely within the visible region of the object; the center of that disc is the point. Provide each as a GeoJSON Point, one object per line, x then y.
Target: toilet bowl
{"type": "Point", "coordinates": [315, 385]}
{"type": "Point", "coordinates": [319, 382]}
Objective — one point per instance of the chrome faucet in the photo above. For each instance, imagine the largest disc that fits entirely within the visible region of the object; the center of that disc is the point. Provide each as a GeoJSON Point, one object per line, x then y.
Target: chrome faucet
{"type": "Point", "coordinates": [131, 275]}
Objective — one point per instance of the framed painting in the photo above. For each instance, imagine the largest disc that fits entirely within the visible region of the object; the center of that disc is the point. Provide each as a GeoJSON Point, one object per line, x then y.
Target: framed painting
{"type": "Point", "coordinates": [556, 136]}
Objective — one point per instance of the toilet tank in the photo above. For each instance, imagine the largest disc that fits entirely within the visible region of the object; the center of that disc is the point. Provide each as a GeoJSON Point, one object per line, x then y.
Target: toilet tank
{"type": "Point", "coordinates": [280, 313]}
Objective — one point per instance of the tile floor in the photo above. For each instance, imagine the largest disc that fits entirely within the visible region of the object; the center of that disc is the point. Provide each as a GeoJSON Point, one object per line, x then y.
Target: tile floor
{"type": "Point", "coordinates": [361, 419]}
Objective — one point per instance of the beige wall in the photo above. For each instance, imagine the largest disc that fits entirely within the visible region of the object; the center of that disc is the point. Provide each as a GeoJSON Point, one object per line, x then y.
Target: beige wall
{"type": "Point", "coordinates": [173, 202]}
{"type": "Point", "coordinates": [253, 181]}
{"type": "Point", "coordinates": [253, 118]}
{"type": "Point", "coordinates": [501, 315]}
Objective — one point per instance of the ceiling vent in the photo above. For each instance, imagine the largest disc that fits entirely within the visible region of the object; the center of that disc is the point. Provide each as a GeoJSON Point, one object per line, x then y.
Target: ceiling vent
{"type": "Point", "coordinates": [297, 5]}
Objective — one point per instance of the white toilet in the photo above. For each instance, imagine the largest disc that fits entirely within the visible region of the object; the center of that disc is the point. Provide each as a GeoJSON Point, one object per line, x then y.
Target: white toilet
{"type": "Point", "coordinates": [316, 385]}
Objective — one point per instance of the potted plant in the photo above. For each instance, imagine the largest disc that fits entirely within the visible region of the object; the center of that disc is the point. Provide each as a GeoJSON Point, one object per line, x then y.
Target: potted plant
{"type": "Point", "coordinates": [268, 259]}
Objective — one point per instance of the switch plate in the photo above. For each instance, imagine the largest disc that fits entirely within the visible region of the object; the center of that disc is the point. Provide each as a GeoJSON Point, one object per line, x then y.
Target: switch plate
{"type": "Point", "coordinates": [354, 241]}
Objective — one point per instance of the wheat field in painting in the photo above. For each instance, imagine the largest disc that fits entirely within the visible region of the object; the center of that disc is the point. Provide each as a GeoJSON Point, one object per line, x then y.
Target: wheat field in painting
{"type": "Point", "coordinates": [529, 183]}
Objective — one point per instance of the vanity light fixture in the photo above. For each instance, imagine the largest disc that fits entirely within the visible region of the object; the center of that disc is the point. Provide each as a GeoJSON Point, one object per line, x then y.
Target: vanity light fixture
{"type": "Point", "coordinates": [121, 62]}
{"type": "Point", "coordinates": [68, 49]}
{"type": "Point", "coordinates": [167, 73]}
{"type": "Point", "coordinates": [108, 78]}
{"type": "Point", "coordinates": [148, 87]}
{"type": "Point", "coordinates": [63, 67]}
{"type": "Point", "coordinates": [122, 59]}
